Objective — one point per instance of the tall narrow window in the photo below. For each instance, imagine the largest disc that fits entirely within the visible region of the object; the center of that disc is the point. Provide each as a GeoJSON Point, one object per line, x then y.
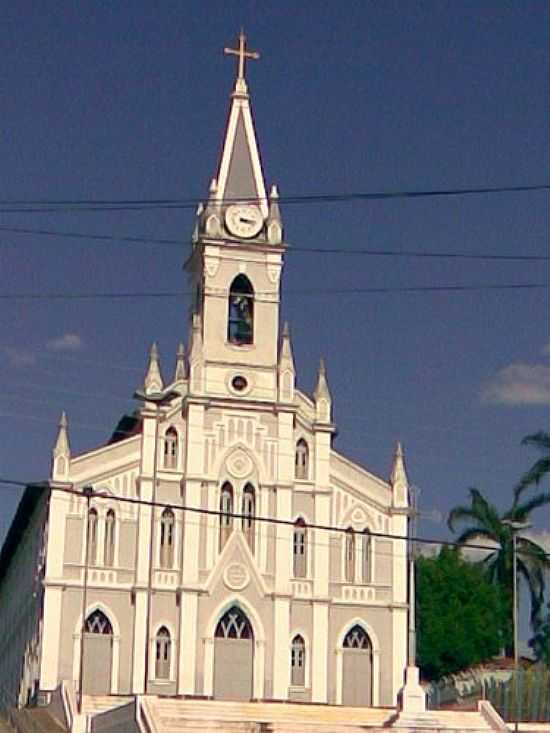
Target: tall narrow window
{"type": "Point", "coordinates": [163, 652]}
{"type": "Point", "coordinates": [350, 556]}
{"type": "Point", "coordinates": [171, 448]}
{"type": "Point", "coordinates": [240, 326]}
{"type": "Point", "coordinates": [300, 548]}
{"type": "Point", "coordinates": [226, 509]}
{"type": "Point", "coordinates": [109, 554]}
{"type": "Point", "coordinates": [248, 515]}
{"type": "Point", "coordinates": [302, 459]}
{"type": "Point", "coordinates": [92, 537]}
{"type": "Point", "coordinates": [167, 539]}
{"type": "Point", "coordinates": [367, 560]}
{"type": "Point", "coordinates": [298, 662]}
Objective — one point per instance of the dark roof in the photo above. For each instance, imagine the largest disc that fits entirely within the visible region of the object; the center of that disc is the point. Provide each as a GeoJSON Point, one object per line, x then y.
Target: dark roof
{"type": "Point", "coordinates": [29, 501]}
{"type": "Point", "coordinates": [127, 427]}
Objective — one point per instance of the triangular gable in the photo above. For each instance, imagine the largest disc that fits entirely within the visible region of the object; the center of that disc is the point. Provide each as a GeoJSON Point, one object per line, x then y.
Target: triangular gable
{"type": "Point", "coordinates": [235, 552]}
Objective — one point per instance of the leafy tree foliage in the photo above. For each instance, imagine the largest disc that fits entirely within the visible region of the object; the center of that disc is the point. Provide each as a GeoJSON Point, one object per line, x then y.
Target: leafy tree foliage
{"type": "Point", "coordinates": [486, 523]}
{"type": "Point", "coordinates": [460, 614]}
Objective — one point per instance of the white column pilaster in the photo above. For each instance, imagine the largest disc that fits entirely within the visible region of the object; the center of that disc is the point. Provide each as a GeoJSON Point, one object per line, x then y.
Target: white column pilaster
{"type": "Point", "coordinates": [140, 642]}
{"type": "Point", "coordinates": [319, 647]}
{"type": "Point", "coordinates": [187, 658]}
{"type": "Point", "coordinates": [281, 653]}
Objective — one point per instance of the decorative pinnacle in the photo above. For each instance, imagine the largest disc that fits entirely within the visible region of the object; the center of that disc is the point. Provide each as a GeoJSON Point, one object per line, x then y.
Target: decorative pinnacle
{"type": "Point", "coordinates": [286, 358]}
{"type": "Point", "coordinates": [153, 378]}
{"type": "Point", "coordinates": [321, 390]}
{"type": "Point", "coordinates": [180, 372]}
{"type": "Point", "coordinates": [62, 446]}
{"type": "Point", "coordinates": [398, 472]}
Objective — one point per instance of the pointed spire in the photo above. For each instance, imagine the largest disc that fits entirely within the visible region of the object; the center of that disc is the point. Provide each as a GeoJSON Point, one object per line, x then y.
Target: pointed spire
{"type": "Point", "coordinates": [240, 176]}
{"type": "Point", "coordinates": [153, 379]}
{"type": "Point", "coordinates": [321, 390]}
{"type": "Point", "coordinates": [286, 370]}
{"type": "Point", "coordinates": [62, 446]}
{"type": "Point", "coordinates": [274, 222]}
{"type": "Point", "coordinates": [323, 400]}
{"type": "Point", "coordinates": [61, 454]}
{"type": "Point", "coordinates": [286, 357]}
{"type": "Point", "coordinates": [180, 372]}
{"type": "Point", "coordinates": [398, 477]}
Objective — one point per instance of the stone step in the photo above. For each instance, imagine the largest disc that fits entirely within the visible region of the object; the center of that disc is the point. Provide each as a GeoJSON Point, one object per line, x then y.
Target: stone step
{"type": "Point", "coordinates": [94, 704]}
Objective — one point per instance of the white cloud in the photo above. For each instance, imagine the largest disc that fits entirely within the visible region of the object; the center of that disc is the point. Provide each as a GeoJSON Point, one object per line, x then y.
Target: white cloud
{"type": "Point", "coordinates": [540, 536]}
{"type": "Point", "coordinates": [519, 384]}
{"type": "Point", "coordinates": [67, 342]}
{"type": "Point", "coordinates": [19, 357]}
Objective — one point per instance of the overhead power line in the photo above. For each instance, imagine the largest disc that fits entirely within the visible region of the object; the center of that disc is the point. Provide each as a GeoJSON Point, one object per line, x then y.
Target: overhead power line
{"type": "Point", "coordinates": [291, 250]}
{"type": "Point", "coordinates": [289, 291]}
{"type": "Point", "coordinates": [18, 206]}
{"type": "Point", "coordinates": [44, 485]}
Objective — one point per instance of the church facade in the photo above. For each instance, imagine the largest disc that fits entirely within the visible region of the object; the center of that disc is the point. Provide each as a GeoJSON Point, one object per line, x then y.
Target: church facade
{"type": "Point", "coordinates": [218, 546]}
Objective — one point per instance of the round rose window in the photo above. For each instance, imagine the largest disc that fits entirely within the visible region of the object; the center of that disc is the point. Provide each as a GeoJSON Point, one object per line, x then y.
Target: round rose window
{"type": "Point", "coordinates": [239, 383]}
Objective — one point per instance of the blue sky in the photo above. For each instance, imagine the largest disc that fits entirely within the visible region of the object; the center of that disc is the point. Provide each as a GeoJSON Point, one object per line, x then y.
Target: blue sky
{"type": "Point", "coordinates": [128, 100]}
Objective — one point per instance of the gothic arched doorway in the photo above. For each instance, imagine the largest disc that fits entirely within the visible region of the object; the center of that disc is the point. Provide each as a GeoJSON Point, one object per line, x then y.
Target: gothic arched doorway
{"type": "Point", "coordinates": [98, 654]}
{"type": "Point", "coordinates": [233, 656]}
{"type": "Point", "coordinates": [357, 668]}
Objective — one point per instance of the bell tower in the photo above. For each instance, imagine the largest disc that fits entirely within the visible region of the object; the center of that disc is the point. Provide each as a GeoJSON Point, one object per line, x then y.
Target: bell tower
{"type": "Point", "coordinates": [236, 265]}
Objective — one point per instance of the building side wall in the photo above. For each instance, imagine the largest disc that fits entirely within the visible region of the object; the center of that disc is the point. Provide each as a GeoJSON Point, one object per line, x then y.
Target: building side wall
{"type": "Point", "coordinates": [21, 602]}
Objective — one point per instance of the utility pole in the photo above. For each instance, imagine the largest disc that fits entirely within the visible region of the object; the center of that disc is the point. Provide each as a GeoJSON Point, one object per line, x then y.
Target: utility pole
{"type": "Point", "coordinates": [87, 492]}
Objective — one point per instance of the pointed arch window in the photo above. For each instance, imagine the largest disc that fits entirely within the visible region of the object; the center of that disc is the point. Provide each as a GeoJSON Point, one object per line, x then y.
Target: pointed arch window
{"type": "Point", "coordinates": [349, 557]}
{"type": "Point", "coordinates": [240, 326]}
{"type": "Point", "coordinates": [167, 532]}
{"type": "Point", "coordinates": [109, 545]}
{"type": "Point", "coordinates": [234, 625]}
{"type": "Point", "coordinates": [98, 623]}
{"type": "Point", "coordinates": [92, 536]}
{"type": "Point", "coordinates": [357, 638]}
{"type": "Point", "coordinates": [171, 448]}
{"type": "Point", "coordinates": [249, 508]}
{"type": "Point", "coordinates": [302, 460]}
{"type": "Point", "coordinates": [300, 548]}
{"type": "Point", "coordinates": [163, 654]}
{"type": "Point", "coordinates": [366, 548]}
{"type": "Point", "coordinates": [226, 509]}
{"type": "Point", "coordinates": [298, 662]}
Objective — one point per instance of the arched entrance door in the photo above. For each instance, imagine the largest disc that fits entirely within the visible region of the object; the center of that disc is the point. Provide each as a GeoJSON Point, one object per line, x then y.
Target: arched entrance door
{"type": "Point", "coordinates": [357, 668]}
{"type": "Point", "coordinates": [233, 656]}
{"type": "Point", "coordinates": [98, 654]}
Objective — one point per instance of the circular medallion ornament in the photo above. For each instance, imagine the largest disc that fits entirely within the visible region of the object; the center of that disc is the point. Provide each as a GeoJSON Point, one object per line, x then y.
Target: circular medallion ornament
{"type": "Point", "coordinates": [239, 464]}
{"type": "Point", "coordinates": [236, 576]}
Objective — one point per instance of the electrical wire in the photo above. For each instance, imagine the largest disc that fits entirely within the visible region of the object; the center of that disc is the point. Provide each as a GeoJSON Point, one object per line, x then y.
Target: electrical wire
{"type": "Point", "coordinates": [292, 249]}
{"type": "Point", "coordinates": [67, 205]}
{"type": "Point", "coordinates": [382, 290]}
{"type": "Point", "coordinates": [44, 485]}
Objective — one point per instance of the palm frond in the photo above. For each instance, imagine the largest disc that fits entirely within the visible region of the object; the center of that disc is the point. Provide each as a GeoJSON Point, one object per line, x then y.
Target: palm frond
{"type": "Point", "coordinates": [522, 511]}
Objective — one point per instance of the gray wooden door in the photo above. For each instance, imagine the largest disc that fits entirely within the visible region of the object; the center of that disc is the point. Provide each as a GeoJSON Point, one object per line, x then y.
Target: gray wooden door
{"type": "Point", "coordinates": [98, 654]}
{"type": "Point", "coordinates": [357, 669]}
{"type": "Point", "coordinates": [233, 657]}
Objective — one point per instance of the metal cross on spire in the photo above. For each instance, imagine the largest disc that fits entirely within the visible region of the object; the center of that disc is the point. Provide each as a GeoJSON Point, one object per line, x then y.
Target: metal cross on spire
{"type": "Point", "coordinates": [242, 53]}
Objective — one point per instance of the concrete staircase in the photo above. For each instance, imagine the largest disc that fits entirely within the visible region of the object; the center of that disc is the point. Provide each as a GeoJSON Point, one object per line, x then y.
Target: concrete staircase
{"type": "Point", "coordinates": [96, 704]}
{"type": "Point", "coordinates": [170, 714]}
{"type": "Point", "coordinates": [443, 720]}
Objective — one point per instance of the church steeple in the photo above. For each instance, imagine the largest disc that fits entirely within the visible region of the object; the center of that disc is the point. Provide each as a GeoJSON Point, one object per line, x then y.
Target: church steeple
{"type": "Point", "coordinates": [240, 176]}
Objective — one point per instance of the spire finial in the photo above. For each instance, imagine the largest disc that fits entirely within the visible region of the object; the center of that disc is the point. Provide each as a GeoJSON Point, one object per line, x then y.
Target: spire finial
{"type": "Point", "coordinates": [153, 379]}
{"type": "Point", "coordinates": [181, 372]}
{"type": "Point", "coordinates": [61, 454]}
{"type": "Point", "coordinates": [242, 53]}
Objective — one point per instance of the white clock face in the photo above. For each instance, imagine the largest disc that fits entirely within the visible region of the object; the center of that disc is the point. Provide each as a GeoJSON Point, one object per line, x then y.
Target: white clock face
{"type": "Point", "coordinates": [243, 220]}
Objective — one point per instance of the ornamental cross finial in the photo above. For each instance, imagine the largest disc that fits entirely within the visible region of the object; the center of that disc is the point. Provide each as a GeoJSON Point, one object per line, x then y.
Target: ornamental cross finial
{"type": "Point", "coordinates": [242, 53]}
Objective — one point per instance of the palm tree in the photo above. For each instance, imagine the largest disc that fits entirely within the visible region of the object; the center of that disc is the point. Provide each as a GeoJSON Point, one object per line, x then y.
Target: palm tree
{"type": "Point", "coordinates": [487, 523]}
{"type": "Point", "coordinates": [540, 468]}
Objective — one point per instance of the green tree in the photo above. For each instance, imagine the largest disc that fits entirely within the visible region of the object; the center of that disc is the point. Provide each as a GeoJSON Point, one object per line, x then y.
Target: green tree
{"type": "Point", "coordinates": [540, 643]}
{"type": "Point", "coordinates": [486, 523]}
{"type": "Point", "coordinates": [460, 614]}
{"type": "Point", "coordinates": [540, 468]}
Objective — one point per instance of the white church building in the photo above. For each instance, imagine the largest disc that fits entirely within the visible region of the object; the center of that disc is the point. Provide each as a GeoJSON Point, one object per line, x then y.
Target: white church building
{"type": "Point", "coordinates": [219, 546]}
